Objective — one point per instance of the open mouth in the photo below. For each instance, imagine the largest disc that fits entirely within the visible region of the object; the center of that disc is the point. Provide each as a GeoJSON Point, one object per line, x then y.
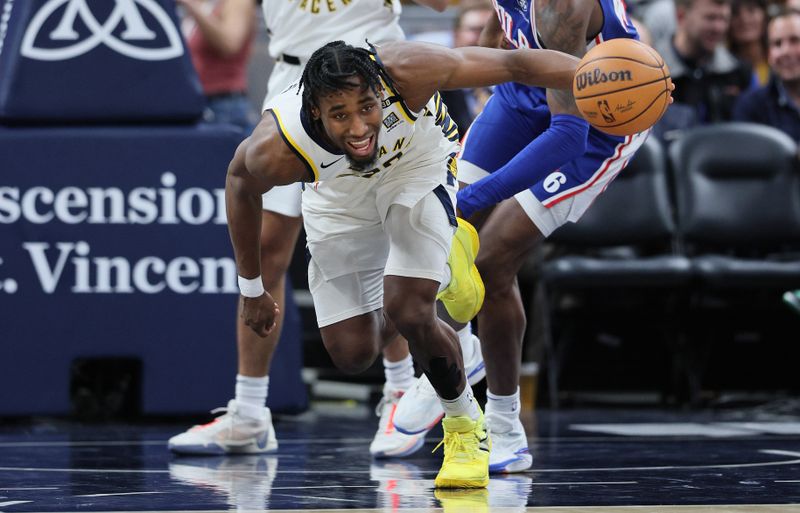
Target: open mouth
{"type": "Point", "coordinates": [362, 148]}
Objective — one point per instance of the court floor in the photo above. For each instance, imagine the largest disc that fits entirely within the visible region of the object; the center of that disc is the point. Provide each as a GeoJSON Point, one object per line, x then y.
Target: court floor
{"type": "Point", "coordinates": [585, 461]}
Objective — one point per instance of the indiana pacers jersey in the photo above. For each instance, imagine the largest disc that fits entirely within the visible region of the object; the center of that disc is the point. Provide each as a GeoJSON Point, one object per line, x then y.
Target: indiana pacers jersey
{"type": "Point", "coordinates": [518, 20]}
{"type": "Point", "coordinates": [416, 155]}
{"type": "Point", "coordinates": [298, 27]}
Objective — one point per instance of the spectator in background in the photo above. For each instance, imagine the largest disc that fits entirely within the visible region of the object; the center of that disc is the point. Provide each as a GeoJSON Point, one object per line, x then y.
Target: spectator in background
{"type": "Point", "coordinates": [464, 104]}
{"type": "Point", "coordinates": [659, 18]}
{"type": "Point", "coordinates": [778, 103]}
{"type": "Point", "coordinates": [707, 77]}
{"type": "Point", "coordinates": [747, 36]}
{"type": "Point", "coordinates": [220, 34]}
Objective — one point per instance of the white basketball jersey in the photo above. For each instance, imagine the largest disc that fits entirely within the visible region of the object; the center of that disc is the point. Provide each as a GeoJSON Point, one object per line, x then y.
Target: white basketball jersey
{"type": "Point", "coordinates": [299, 27]}
{"type": "Point", "coordinates": [416, 154]}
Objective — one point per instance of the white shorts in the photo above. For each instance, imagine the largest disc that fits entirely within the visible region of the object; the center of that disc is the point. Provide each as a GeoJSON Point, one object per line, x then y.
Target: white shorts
{"type": "Point", "coordinates": [283, 200]}
{"type": "Point", "coordinates": [345, 274]}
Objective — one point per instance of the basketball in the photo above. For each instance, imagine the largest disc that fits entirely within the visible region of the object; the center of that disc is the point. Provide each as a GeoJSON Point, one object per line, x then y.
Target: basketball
{"type": "Point", "coordinates": [622, 87]}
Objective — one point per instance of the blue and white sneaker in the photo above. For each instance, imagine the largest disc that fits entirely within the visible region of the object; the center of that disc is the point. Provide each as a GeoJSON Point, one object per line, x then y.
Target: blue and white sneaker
{"type": "Point", "coordinates": [231, 433]}
{"type": "Point", "coordinates": [388, 441]}
{"type": "Point", "coordinates": [509, 445]}
{"type": "Point", "coordinates": [419, 410]}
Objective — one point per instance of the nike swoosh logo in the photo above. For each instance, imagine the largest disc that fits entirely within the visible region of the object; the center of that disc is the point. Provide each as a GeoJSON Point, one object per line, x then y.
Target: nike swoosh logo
{"type": "Point", "coordinates": [324, 165]}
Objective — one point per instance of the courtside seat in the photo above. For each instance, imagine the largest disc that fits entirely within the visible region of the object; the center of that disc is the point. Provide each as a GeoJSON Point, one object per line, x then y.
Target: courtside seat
{"type": "Point", "coordinates": [738, 203]}
{"type": "Point", "coordinates": [738, 196]}
{"type": "Point", "coordinates": [626, 238]}
{"type": "Point", "coordinates": [619, 257]}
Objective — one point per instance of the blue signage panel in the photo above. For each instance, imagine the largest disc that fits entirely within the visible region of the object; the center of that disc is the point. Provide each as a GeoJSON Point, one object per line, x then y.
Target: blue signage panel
{"type": "Point", "coordinates": [98, 60]}
{"type": "Point", "coordinates": [113, 243]}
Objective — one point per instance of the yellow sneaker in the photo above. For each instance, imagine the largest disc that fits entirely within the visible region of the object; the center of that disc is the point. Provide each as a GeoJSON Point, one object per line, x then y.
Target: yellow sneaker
{"type": "Point", "coordinates": [466, 454]}
{"type": "Point", "coordinates": [463, 297]}
{"type": "Point", "coordinates": [475, 500]}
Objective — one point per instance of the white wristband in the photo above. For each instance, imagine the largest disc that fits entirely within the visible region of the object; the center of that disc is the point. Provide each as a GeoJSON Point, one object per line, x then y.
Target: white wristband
{"type": "Point", "coordinates": [251, 287]}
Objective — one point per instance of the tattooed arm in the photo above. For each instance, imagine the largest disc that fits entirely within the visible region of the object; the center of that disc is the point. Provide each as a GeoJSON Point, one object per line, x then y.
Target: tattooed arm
{"type": "Point", "coordinates": [566, 25]}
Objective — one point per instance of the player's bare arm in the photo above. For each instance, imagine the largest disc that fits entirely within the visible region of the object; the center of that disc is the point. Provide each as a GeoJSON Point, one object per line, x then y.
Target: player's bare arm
{"type": "Point", "coordinates": [421, 69]}
{"type": "Point", "coordinates": [261, 161]}
{"type": "Point", "coordinates": [565, 25]}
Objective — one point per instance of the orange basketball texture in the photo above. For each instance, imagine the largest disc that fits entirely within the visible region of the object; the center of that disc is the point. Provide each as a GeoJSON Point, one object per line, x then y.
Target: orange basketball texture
{"type": "Point", "coordinates": [622, 86]}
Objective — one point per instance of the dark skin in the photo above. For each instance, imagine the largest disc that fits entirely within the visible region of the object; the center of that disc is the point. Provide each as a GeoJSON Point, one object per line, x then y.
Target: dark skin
{"type": "Point", "coordinates": [350, 120]}
{"type": "Point", "coordinates": [507, 234]}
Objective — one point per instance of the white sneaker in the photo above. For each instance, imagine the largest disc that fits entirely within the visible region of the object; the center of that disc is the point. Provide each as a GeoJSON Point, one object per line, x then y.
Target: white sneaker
{"type": "Point", "coordinates": [388, 441]}
{"type": "Point", "coordinates": [231, 433]}
{"type": "Point", "coordinates": [401, 485]}
{"type": "Point", "coordinates": [419, 410]}
{"type": "Point", "coordinates": [245, 480]}
{"type": "Point", "coordinates": [509, 445]}
{"type": "Point", "coordinates": [510, 491]}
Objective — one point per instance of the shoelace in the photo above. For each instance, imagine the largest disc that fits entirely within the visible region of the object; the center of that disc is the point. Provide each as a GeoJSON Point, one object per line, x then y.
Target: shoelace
{"type": "Point", "coordinates": [454, 444]}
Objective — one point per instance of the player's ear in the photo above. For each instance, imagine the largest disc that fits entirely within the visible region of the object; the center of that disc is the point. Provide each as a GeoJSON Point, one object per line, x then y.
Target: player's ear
{"type": "Point", "coordinates": [315, 113]}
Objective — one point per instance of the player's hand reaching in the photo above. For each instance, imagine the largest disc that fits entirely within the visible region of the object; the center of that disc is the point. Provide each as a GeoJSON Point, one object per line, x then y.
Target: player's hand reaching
{"type": "Point", "coordinates": [259, 313]}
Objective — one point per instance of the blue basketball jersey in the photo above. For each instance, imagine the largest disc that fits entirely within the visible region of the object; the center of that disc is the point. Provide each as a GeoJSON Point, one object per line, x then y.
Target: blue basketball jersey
{"type": "Point", "coordinates": [518, 20]}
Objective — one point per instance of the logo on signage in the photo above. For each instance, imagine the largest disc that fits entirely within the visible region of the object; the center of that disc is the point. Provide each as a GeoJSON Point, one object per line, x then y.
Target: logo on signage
{"type": "Point", "coordinates": [66, 42]}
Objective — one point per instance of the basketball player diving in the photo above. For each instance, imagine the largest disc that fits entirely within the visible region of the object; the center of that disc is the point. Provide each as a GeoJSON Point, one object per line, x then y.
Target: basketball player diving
{"type": "Point", "coordinates": [532, 164]}
{"type": "Point", "coordinates": [368, 133]}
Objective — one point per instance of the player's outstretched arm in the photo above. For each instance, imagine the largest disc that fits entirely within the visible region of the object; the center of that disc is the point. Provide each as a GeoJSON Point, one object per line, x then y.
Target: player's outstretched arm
{"type": "Point", "coordinates": [420, 69]}
{"type": "Point", "coordinates": [261, 162]}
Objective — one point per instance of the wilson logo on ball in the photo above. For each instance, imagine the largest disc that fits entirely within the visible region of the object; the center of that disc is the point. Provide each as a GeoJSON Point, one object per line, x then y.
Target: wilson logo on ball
{"type": "Point", "coordinates": [595, 76]}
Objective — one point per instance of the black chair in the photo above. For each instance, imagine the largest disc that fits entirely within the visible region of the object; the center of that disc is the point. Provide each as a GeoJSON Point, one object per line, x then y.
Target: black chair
{"type": "Point", "coordinates": [738, 197]}
{"type": "Point", "coordinates": [624, 242]}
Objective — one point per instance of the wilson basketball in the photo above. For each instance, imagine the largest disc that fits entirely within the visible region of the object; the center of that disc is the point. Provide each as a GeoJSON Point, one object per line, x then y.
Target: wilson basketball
{"type": "Point", "coordinates": [622, 86]}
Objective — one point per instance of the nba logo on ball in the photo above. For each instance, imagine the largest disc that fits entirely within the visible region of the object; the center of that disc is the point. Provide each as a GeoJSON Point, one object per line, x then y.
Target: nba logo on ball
{"type": "Point", "coordinates": [622, 87]}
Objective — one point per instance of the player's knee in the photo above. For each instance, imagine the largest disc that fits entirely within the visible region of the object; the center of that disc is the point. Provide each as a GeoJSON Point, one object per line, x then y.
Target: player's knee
{"type": "Point", "coordinates": [273, 267]}
{"type": "Point", "coordinates": [495, 271]}
{"type": "Point", "coordinates": [352, 358]}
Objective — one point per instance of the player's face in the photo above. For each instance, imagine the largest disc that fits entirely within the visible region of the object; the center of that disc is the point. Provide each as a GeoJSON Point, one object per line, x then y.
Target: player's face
{"type": "Point", "coordinates": [784, 47]}
{"type": "Point", "coordinates": [706, 24]}
{"type": "Point", "coordinates": [352, 121]}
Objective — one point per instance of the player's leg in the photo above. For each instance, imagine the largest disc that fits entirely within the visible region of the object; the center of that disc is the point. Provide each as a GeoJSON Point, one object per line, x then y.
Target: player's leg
{"type": "Point", "coordinates": [348, 306]}
{"type": "Point", "coordinates": [494, 137]}
{"type": "Point", "coordinates": [420, 239]}
{"type": "Point", "coordinates": [507, 238]}
{"type": "Point", "coordinates": [246, 426]}
{"type": "Point", "coordinates": [512, 231]}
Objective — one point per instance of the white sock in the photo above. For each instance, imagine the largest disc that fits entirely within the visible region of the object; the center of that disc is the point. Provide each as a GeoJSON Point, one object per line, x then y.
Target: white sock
{"type": "Point", "coordinates": [251, 395]}
{"type": "Point", "coordinates": [503, 411]}
{"type": "Point", "coordinates": [399, 375]}
{"type": "Point", "coordinates": [464, 405]}
{"type": "Point", "coordinates": [445, 278]}
{"type": "Point", "coordinates": [467, 347]}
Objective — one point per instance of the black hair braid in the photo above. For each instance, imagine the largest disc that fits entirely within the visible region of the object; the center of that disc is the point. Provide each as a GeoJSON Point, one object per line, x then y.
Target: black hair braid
{"type": "Point", "coordinates": [332, 68]}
